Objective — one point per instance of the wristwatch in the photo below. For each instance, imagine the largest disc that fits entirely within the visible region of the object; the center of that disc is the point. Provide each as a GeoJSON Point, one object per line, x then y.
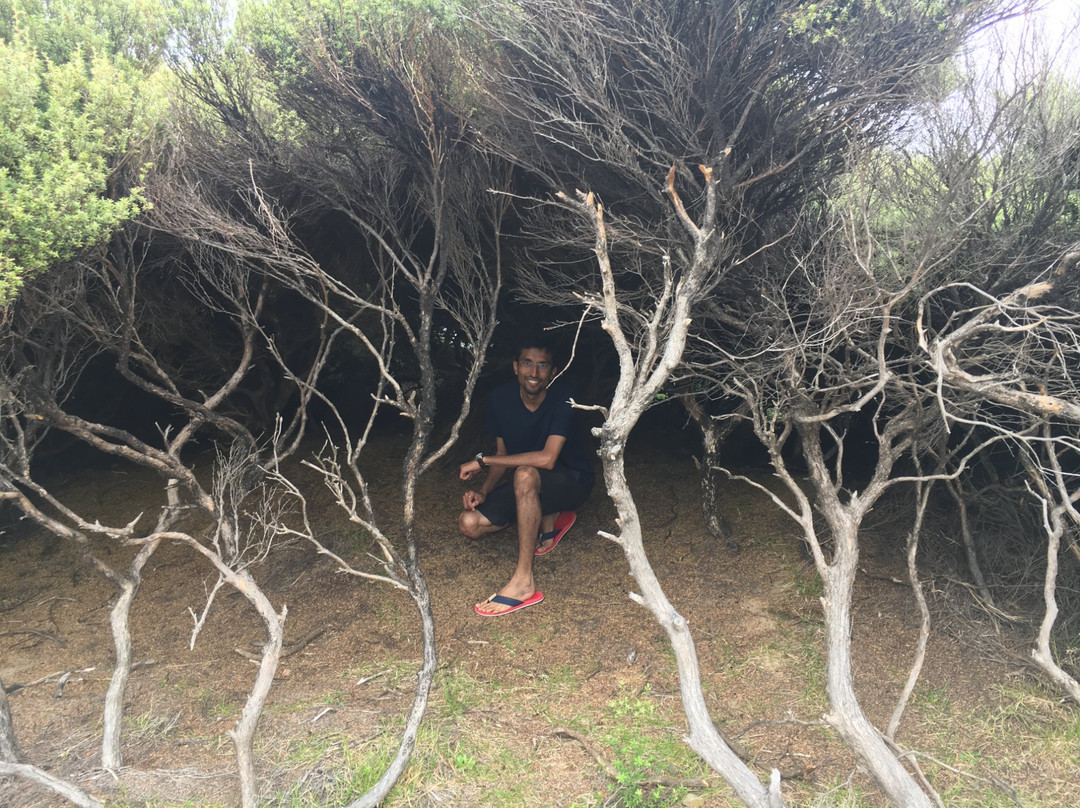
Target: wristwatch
{"type": "Point", "coordinates": [480, 459]}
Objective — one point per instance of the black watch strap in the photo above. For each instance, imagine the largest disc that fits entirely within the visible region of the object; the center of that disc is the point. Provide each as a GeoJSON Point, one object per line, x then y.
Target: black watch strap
{"type": "Point", "coordinates": [480, 459]}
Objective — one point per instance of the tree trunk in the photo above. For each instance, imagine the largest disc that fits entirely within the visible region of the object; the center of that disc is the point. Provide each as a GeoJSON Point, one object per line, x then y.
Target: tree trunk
{"type": "Point", "coordinates": [418, 588]}
{"type": "Point", "coordinates": [969, 542]}
{"type": "Point", "coordinates": [9, 749]}
{"type": "Point", "coordinates": [922, 496]}
{"type": "Point", "coordinates": [845, 714]}
{"type": "Point", "coordinates": [244, 732]}
{"type": "Point", "coordinates": [119, 617]}
{"type": "Point", "coordinates": [377, 793]}
{"type": "Point", "coordinates": [713, 434]}
{"type": "Point", "coordinates": [1042, 653]}
{"type": "Point", "coordinates": [704, 738]}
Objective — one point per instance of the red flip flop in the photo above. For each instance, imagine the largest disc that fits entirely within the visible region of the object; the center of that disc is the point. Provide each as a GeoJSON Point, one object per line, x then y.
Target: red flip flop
{"type": "Point", "coordinates": [513, 603]}
{"type": "Point", "coordinates": [563, 522]}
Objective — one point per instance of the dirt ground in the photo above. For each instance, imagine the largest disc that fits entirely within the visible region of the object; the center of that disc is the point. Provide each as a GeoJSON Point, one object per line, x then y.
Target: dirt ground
{"type": "Point", "coordinates": [587, 659]}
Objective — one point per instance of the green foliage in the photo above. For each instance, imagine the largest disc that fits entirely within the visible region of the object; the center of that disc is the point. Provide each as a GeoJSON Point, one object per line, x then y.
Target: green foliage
{"type": "Point", "coordinates": [77, 98]}
{"type": "Point", "coordinates": [287, 34]}
{"type": "Point", "coordinates": [645, 748]}
{"type": "Point", "coordinates": [134, 31]}
{"type": "Point", "coordinates": [830, 19]}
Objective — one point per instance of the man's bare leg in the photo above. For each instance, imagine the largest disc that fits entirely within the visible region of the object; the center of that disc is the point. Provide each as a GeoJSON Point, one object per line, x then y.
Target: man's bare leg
{"type": "Point", "coordinates": [527, 496]}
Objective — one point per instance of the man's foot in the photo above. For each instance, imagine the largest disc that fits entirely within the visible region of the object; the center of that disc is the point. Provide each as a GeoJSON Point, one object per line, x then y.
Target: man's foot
{"type": "Point", "coordinates": [548, 541]}
{"type": "Point", "coordinates": [505, 605]}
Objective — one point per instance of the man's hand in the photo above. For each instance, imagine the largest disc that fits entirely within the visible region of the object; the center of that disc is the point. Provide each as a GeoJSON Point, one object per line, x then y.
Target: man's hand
{"type": "Point", "coordinates": [469, 470]}
{"type": "Point", "coordinates": [472, 499]}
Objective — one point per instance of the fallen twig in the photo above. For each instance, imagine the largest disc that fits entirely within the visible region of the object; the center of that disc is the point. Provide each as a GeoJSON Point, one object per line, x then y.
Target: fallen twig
{"type": "Point", "coordinates": [17, 686]}
{"type": "Point", "coordinates": [295, 647]}
{"type": "Point", "coordinates": [299, 645]}
{"type": "Point", "coordinates": [36, 633]}
{"type": "Point", "coordinates": [367, 679]}
{"type": "Point", "coordinates": [13, 606]}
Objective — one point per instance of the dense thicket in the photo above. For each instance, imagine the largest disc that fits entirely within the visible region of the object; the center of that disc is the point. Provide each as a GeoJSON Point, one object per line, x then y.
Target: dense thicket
{"type": "Point", "coordinates": [776, 211]}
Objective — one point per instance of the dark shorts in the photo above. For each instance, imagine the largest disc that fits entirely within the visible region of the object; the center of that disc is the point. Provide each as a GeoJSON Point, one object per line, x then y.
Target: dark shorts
{"type": "Point", "coordinates": [560, 490]}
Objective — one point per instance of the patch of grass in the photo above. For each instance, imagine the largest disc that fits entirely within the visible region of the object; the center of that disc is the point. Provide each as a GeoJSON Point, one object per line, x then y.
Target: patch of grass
{"type": "Point", "coordinates": [505, 797]}
{"type": "Point", "coordinates": [998, 745]}
{"type": "Point", "coordinates": [795, 654]}
{"type": "Point", "coordinates": [337, 770]}
{"type": "Point", "coordinates": [933, 701]}
{"type": "Point", "coordinates": [216, 706]}
{"type": "Point", "coordinates": [123, 801]}
{"type": "Point", "coordinates": [335, 698]}
{"type": "Point", "coordinates": [1027, 709]}
{"type": "Point", "coordinates": [460, 692]}
{"type": "Point", "coordinates": [464, 763]}
{"type": "Point", "coordinates": [148, 727]}
{"type": "Point", "coordinates": [646, 748]}
{"type": "Point", "coordinates": [314, 748]}
{"type": "Point", "coordinates": [808, 583]}
{"type": "Point", "coordinates": [561, 679]}
{"type": "Point", "coordinates": [842, 796]}
{"type": "Point", "coordinates": [507, 639]}
{"type": "Point", "coordinates": [177, 687]}
{"type": "Point", "coordinates": [389, 672]}
{"type": "Point", "coordinates": [449, 763]}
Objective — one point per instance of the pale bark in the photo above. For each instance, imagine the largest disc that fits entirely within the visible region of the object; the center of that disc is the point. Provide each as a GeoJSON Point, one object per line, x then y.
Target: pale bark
{"type": "Point", "coordinates": [845, 714]}
{"type": "Point", "coordinates": [643, 370]}
{"type": "Point", "coordinates": [68, 791]}
{"type": "Point", "coordinates": [922, 495]}
{"type": "Point", "coordinates": [243, 733]}
{"type": "Point", "coordinates": [378, 792]}
{"type": "Point", "coordinates": [838, 576]}
{"type": "Point", "coordinates": [119, 618]}
{"type": "Point", "coordinates": [1054, 521]}
{"type": "Point", "coordinates": [704, 738]}
{"type": "Point", "coordinates": [9, 748]}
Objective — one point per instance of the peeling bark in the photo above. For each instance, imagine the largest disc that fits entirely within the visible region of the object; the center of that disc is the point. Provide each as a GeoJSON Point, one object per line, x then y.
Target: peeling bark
{"type": "Point", "coordinates": [642, 373]}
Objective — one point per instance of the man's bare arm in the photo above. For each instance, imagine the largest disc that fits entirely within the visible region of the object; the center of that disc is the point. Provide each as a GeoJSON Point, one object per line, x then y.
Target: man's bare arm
{"type": "Point", "coordinates": [500, 462]}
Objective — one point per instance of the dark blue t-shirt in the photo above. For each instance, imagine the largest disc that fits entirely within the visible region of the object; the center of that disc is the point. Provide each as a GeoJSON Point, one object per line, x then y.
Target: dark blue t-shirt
{"type": "Point", "coordinates": [525, 431]}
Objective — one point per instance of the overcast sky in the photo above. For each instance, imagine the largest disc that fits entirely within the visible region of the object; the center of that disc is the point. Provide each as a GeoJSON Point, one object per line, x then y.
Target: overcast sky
{"type": "Point", "coordinates": [1050, 21]}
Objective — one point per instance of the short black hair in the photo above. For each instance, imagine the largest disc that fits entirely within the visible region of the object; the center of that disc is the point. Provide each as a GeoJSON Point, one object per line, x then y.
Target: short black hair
{"type": "Point", "coordinates": [537, 337]}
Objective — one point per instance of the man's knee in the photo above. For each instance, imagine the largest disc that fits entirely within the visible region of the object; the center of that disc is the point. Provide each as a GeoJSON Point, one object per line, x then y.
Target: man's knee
{"type": "Point", "coordinates": [526, 480]}
{"type": "Point", "coordinates": [472, 524]}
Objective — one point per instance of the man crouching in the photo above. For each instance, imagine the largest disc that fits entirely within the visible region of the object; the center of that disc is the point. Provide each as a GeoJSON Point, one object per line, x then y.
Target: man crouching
{"type": "Point", "coordinates": [537, 437]}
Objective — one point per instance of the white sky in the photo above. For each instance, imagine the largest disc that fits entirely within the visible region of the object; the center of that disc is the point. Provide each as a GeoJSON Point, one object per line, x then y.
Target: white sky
{"type": "Point", "coordinates": [1049, 21]}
